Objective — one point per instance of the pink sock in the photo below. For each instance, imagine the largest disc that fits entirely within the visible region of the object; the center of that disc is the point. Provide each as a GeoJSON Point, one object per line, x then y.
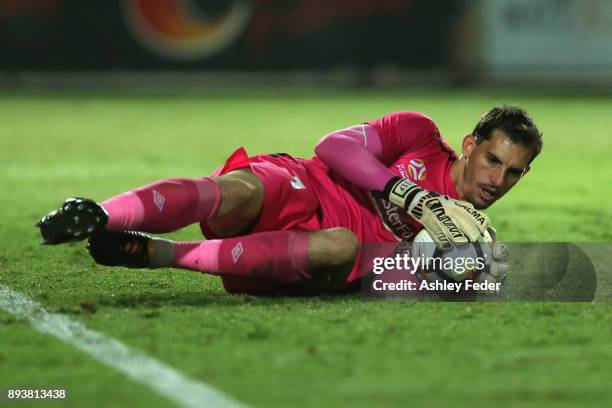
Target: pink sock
{"type": "Point", "coordinates": [278, 256]}
{"type": "Point", "coordinates": [164, 206]}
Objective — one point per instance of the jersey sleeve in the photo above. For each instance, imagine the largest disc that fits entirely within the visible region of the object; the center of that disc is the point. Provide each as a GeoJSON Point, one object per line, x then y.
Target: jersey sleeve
{"type": "Point", "coordinates": [340, 150]}
{"type": "Point", "coordinates": [403, 131]}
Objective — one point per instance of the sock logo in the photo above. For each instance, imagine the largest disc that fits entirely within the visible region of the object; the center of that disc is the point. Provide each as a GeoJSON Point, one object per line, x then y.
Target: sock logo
{"type": "Point", "coordinates": [237, 251]}
{"type": "Point", "coordinates": [159, 200]}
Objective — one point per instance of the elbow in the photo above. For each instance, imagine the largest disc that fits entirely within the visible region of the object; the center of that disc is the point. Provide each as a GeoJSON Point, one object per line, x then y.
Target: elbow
{"type": "Point", "coordinates": [323, 147]}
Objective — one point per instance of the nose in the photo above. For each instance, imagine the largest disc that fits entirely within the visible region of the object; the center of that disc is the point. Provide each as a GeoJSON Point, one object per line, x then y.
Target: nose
{"type": "Point", "coordinates": [497, 177]}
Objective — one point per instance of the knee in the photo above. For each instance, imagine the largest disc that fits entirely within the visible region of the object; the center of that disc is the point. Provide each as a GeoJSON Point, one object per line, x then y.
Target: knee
{"type": "Point", "coordinates": [343, 246]}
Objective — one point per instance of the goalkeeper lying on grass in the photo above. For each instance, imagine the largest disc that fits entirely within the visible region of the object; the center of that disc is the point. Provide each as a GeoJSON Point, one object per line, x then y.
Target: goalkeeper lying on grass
{"type": "Point", "coordinates": [279, 224]}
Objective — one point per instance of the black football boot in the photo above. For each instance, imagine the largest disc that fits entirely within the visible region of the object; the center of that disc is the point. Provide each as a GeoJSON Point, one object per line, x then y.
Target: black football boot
{"type": "Point", "coordinates": [75, 220]}
{"type": "Point", "coordinates": [120, 248]}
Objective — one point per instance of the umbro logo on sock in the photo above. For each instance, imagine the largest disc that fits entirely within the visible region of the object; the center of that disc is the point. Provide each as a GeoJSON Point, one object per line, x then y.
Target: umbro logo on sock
{"type": "Point", "coordinates": [297, 184]}
{"type": "Point", "coordinates": [159, 200]}
{"type": "Point", "coordinates": [237, 251]}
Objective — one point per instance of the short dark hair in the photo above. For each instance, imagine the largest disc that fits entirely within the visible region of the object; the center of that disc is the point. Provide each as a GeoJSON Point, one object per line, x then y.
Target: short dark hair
{"type": "Point", "coordinates": [514, 122]}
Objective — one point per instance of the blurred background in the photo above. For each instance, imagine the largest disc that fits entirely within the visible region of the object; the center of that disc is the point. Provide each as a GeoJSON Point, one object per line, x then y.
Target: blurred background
{"type": "Point", "coordinates": [198, 44]}
{"type": "Point", "coordinates": [101, 96]}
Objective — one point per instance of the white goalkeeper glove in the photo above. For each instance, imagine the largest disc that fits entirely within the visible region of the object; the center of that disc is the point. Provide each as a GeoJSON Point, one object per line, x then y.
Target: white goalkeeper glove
{"type": "Point", "coordinates": [449, 222]}
{"type": "Point", "coordinates": [499, 265]}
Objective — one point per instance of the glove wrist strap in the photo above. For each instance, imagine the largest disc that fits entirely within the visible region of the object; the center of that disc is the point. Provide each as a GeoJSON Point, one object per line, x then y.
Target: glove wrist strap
{"type": "Point", "coordinates": [403, 193]}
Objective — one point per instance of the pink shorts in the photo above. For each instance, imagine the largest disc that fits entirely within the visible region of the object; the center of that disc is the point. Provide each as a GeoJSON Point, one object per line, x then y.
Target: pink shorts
{"type": "Point", "coordinates": [289, 199]}
{"type": "Point", "coordinates": [300, 196]}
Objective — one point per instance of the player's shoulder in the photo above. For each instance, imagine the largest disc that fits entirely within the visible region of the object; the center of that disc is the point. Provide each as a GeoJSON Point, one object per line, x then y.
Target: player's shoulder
{"type": "Point", "coordinates": [408, 118]}
{"type": "Point", "coordinates": [409, 115]}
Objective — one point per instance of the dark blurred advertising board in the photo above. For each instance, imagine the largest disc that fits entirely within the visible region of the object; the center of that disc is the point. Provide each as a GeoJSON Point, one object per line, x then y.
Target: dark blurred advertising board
{"type": "Point", "coordinates": [225, 35]}
{"type": "Point", "coordinates": [556, 37]}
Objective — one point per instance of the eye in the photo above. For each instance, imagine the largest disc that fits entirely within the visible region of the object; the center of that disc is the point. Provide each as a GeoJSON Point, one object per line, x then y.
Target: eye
{"type": "Point", "coordinates": [515, 173]}
{"type": "Point", "coordinates": [492, 160]}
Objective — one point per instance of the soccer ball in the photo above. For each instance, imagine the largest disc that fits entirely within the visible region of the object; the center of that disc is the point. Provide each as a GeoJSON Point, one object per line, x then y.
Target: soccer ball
{"type": "Point", "coordinates": [471, 261]}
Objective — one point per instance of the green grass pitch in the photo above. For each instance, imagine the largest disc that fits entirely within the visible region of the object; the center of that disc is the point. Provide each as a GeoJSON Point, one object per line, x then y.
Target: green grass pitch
{"type": "Point", "coordinates": [332, 352]}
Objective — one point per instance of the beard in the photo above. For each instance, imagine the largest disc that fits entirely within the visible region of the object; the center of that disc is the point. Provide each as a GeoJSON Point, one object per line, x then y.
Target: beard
{"type": "Point", "coordinates": [474, 197]}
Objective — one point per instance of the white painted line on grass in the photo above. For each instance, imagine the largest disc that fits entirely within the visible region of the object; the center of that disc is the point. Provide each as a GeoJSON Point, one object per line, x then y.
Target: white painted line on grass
{"type": "Point", "coordinates": [138, 366]}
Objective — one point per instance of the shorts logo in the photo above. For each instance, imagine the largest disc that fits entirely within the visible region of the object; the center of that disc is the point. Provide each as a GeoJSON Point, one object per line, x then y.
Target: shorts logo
{"type": "Point", "coordinates": [237, 251]}
{"type": "Point", "coordinates": [159, 200]}
{"type": "Point", "coordinates": [418, 170]}
{"type": "Point", "coordinates": [297, 184]}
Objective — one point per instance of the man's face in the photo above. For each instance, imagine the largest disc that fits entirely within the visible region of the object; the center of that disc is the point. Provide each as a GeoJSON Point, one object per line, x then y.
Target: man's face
{"type": "Point", "coordinates": [492, 167]}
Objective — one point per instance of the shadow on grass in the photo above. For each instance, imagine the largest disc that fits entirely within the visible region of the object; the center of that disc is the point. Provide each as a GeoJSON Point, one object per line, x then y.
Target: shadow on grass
{"type": "Point", "coordinates": [199, 299]}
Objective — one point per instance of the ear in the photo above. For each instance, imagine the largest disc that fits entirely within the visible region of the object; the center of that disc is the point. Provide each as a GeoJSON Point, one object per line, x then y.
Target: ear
{"type": "Point", "coordinates": [526, 171]}
{"type": "Point", "coordinates": [468, 145]}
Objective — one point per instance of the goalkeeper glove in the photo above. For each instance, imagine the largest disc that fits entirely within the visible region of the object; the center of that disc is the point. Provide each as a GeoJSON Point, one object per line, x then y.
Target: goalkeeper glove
{"type": "Point", "coordinates": [499, 263]}
{"type": "Point", "coordinates": [449, 222]}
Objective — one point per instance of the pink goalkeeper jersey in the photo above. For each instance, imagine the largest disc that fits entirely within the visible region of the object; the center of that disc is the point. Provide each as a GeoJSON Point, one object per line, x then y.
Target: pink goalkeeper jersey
{"type": "Point", "coordinates": [413, 148]}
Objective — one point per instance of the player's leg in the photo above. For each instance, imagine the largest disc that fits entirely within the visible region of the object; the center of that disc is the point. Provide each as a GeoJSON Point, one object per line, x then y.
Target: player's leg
{"type": "Point", "coordinates": [331, 255]}
{"type": "Point", "coordinates": [242, 196]}
{"type": "Point", "coordinates": [320, 260]}
{"type": "Point", "coordinates": [229, 203]}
